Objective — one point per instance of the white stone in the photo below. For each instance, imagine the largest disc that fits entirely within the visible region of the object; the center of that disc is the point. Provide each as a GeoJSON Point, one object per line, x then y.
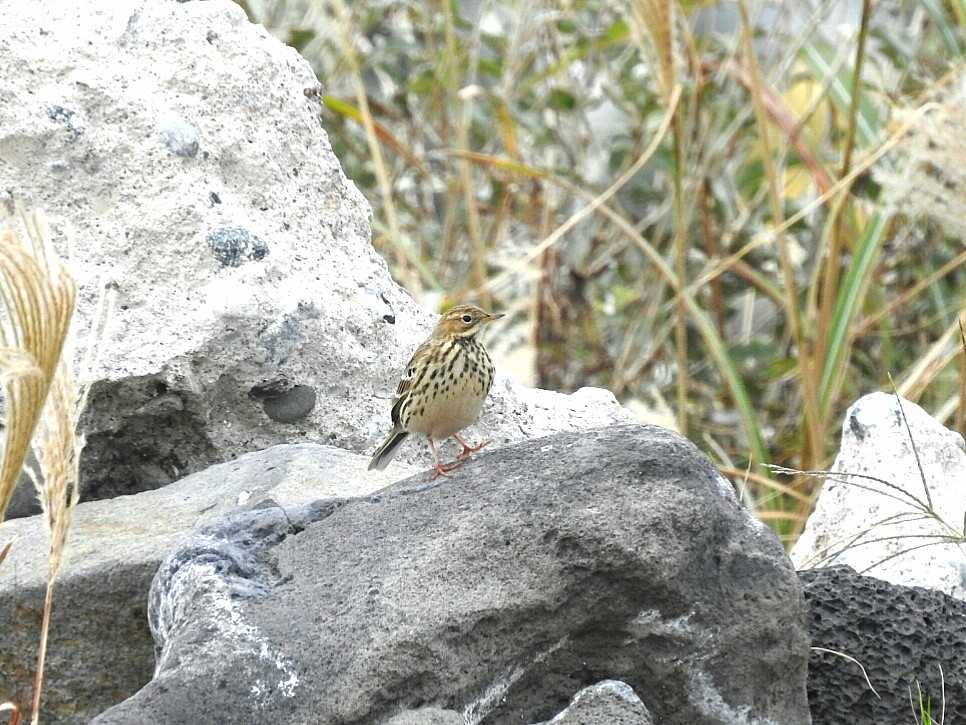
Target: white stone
{"type": "Point", "coordinates": [243, 267]}
{"type": "Point", "coordinates": [874, 527]}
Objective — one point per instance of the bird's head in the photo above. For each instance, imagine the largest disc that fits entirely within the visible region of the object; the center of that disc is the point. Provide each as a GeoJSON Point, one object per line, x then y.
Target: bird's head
{"type": "Point", "coordinates": [463, 321]}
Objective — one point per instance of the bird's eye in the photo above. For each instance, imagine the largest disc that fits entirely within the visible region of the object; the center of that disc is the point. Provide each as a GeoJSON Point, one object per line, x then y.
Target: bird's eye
{"type": "Point", "coordinates": [467, 319]}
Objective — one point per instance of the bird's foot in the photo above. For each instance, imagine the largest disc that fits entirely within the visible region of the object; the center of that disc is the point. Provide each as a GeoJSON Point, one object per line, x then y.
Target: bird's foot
{"type": "Point", "coordinates": [468, 449]}
{"type": "Point", "coordinates": [444, 470]}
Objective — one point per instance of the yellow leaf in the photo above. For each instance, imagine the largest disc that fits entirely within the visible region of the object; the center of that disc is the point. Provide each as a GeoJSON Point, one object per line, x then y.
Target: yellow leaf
{"type": "Point", "coordinates": [800, 98]}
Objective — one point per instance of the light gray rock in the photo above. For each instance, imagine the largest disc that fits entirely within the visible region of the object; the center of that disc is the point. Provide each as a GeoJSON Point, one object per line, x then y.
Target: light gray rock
{"type": "Point", "coordinates": [427, 716]}
{"type": "Point", "coordinates": [241, 266]}
{"type": "Point", "coordinates": [610, 702]}
{"type": "Point", "coordinates": [100, 648]}
{"type": "Point", "coordinates": [179, 136]}
{"type": "Point", "coordinates": [532, 572]}
{"type": "Point", "coordinates": [867, 516]}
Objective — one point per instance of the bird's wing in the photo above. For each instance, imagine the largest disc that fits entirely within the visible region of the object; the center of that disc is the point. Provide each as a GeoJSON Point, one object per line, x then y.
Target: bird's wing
{"type": "Point", "coordinates": [412, 368]}
{"type": "Point", "coordinates": [411, 373]}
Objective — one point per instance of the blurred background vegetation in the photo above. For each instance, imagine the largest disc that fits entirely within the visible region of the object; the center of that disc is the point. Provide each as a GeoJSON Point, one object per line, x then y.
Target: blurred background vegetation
{"type": "Point", "coordinates": [738, 216]}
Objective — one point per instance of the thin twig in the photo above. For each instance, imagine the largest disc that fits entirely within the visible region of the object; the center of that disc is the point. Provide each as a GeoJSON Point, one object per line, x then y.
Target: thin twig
{"type": "Point", "coordinates": [863, 326]}
{"type": "Point", "coordinates": [771, 235]}
{"type": "Point", "coordinates": [829, 474]}
{"type": "Point", "coordinates": [855, 544]}
{"type": "Point", "coordinates": [912, 441]}
{"type": "Point", "coordinates": [599, 201]}
{"type": "Point", "coordinates": [806, 369]}
{"type": "Point", "coordinates": [850, 659]}
{"type": "Point", "coordinates": [730, 472]}
{"type": "Point", "coordinates": [942, 690]}
{"type": "Point", "coordinates": [821, 558]}
{"type": "Point", "coordinates": [42, 652]}
{"type": "Point", "coordinates": [896, 555]}
{"type": "Point", "coordinates": [344, 18]}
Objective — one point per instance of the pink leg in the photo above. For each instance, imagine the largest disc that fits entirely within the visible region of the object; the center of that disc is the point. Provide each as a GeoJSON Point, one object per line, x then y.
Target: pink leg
{"type": "Point", "coordinates": [467, 448]}
{"type": "Point", "coordinates": [440, 469]}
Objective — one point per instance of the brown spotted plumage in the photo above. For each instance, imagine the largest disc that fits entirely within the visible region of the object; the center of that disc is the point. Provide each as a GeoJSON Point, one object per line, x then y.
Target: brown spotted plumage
{"type": "Point", "coordinates": [443, 388]}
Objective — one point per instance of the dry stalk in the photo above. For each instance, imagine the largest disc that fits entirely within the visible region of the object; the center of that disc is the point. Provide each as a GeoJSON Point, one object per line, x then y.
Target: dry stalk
{"type": "Point", "coordinates": [39, 296]}
{"type": "Point", "coordinates": [344, 23]}
{"type": "Point", "coordinates": [656, 19]}
{"type": "Point", "coordinates": [39, 300]}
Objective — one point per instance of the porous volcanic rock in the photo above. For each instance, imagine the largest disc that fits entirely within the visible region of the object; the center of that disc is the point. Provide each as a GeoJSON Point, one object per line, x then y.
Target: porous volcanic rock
{"type": "Point", "coordinates": [901, 635]}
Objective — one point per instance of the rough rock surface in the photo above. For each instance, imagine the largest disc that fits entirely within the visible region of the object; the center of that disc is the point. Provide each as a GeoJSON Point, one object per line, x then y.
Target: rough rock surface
{"type": "Point", "coordinates": [100, 648]}
{"type": "Point", "coordinates": [610, 702]}
{"type": "Point", "coordinates": [534, 571]}
{"type": "Point", "coordinates": [900, 634]}
{"type": "Point", "coordinates": [427, 716]}
{"type": "Point", "coordinates": [182, 148]}
{"type": "Point", "coordinates": [852, 510]}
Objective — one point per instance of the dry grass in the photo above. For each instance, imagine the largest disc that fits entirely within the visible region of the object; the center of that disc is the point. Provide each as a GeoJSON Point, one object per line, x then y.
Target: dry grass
{"type": "Point", "coordinates": [38, 295]}
{"type": "Point", "coordinates": [656, 18]}
{"type": "Point", "coordinates": [42, 398]}
{"type": "Point", "coordinates": [929, 175]}
{"type": "Point", "coordinates": [757, 271]}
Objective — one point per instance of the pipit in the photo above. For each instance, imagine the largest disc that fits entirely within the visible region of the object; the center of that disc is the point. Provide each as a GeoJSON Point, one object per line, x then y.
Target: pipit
{"type": "Point", "coordinates": [443, 390]}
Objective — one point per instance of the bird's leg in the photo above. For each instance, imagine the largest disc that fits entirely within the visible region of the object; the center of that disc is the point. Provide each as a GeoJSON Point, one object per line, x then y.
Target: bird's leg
{"type": "Point", "coordinates": [467, 448]}
{"type": "Point", "coordinates": [440, 469]}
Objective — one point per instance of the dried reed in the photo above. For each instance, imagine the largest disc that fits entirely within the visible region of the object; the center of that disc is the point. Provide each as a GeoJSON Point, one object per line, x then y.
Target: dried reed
{"type": "Point", "coordinates": [42, 398]}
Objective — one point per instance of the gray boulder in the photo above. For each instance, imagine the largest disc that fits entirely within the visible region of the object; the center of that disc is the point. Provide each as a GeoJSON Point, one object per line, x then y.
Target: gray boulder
{"type": "Point", "coordinates": [901, 635]}
{"type": "Point", "coordinates": [610, 702]}
{"type": "Point", "coordinates": [180, 146]}
{"type": "Point", "coordinates": [534, 571]}
{"type": "Point", "coordinates": [100, 648]}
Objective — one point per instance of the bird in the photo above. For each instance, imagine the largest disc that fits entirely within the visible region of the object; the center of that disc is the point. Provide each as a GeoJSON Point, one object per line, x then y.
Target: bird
{"type": "Point", "coordinates": [443, 388]}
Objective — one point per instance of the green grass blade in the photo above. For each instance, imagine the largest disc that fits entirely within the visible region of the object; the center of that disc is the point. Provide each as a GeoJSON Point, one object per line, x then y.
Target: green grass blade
{"type": "Point", "coordinates": [849, 300]}
{"type": "Point", "coordinates": [820, 60]}
{"type": "Point", "coordinates": [947, 31]}
{"type": "Point", "coordinates": [714, 344]}
{"type": "Point", "coordinates": [959, 8]}
{"type": "Point", "coordinates": [385, 136]}
{"type": "Point", "coordinates": [736, 386]}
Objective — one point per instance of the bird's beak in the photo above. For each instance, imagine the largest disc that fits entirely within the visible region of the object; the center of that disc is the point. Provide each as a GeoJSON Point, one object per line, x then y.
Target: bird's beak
{"type": "Point", "coordinates": [495, 317]}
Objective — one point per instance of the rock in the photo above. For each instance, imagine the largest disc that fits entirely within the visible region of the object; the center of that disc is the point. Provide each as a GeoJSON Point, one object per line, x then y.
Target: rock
{"type": "Point", "coordinates": [901, 635]}
{"type": "Point", "coordinates": [872, 518]}
{"type": "Point", "coordinates": [532, 572]}
{"type": "Point", "coordinates": [232, 246]}
{"type": "Point", "coordinates": [179, 136]}
{"type": "Point", "coordinates": [239, 251]}
{"type": "Point", "coordinates": [607, 703]}
{"type": "Point", "coordinates": [427, 716]}
{"type": "Point", "coordinates": [100, 647]}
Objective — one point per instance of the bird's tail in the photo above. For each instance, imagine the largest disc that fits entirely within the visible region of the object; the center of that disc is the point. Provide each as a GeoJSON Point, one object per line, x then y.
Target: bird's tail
{"type": "Point", "coordinates": [385, 452]}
